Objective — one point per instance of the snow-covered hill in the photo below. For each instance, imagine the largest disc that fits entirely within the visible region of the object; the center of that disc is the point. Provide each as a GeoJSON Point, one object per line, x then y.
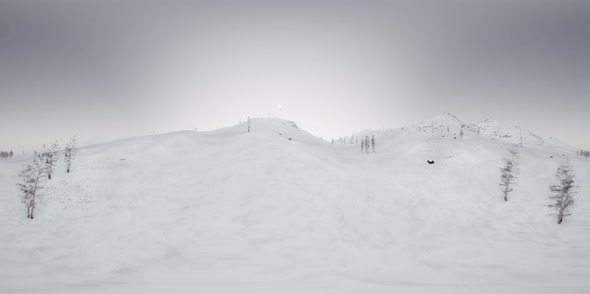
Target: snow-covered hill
{"type": "Point", "coordinates": [277, 210]}
{"type": "Point", "coordinates": [447, 124]}
{"type": "Point", "coordinates": [442, 121]}
{"type": "Point", "coordinates": [515, 134]}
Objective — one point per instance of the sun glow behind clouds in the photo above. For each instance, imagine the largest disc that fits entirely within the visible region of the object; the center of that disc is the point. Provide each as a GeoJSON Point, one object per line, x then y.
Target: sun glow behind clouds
{"type": "Point", "coordinates": [242, 71]}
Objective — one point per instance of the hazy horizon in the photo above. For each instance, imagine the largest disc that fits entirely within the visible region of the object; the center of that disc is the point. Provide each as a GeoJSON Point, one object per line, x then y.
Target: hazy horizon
{"type": "Point", "coordinates": [114, 69]}
{"type": "Point", "coordinates": [86, 140]}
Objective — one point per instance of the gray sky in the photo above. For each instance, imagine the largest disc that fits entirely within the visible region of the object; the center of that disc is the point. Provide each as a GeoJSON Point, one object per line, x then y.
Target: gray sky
{"type": "Point", "coordinates": [110, 69]}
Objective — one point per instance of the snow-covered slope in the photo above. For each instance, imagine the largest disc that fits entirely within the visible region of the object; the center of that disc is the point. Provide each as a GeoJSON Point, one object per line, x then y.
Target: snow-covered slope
{"type": "Point", "coordinates": [515, 134]}
{"type": "Point", "coordinates": [229, 211]}
{"type": "Point", "coordinates": [442, 121]}
{"type": "Point", "coordinates": [274, 126]}
{"type": "Point", "coordinates": [450, 125]}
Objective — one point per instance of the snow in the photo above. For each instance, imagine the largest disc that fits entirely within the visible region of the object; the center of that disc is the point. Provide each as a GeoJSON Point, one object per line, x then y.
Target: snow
{"type": "Point", "coordinates": [229, 211]}
{"type": "Point", "coordinates": [442, 121]}
{"type": "Point", "coordinates": [496, 130]}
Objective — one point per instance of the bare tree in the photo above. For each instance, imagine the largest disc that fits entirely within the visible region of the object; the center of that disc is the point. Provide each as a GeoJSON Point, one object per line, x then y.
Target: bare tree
{"type": "Point", "coordinates": [362, 146]}
{"type": "Point", "coordinates": [32, 175]}
{"type": "Point", "coordinates": [563, 192]}
{"type": "Point", "coordinates": [373, 142]}
{"type": "Point", "coordinates": [51, 155]}
{"type": "Point", "coordinates": [508, 173]}
{"type": "Point", "coordinates": [249, 125]}
{"type": "Point", "coordinates": [70, 153]}
{"type": "Point", "coordinates": [367, 144]}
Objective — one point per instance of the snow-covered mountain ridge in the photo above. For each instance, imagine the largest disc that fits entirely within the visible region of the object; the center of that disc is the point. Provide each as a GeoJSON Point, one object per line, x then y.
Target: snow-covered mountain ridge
{"type": "Point", "coordinates": [447, 123]}
{"type": "Point", "coordinates": [278, 210]}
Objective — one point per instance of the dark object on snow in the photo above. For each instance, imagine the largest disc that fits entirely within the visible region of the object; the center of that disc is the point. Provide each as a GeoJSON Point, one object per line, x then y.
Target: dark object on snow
{"type": "Point", "coordinates": [551, 156]}
{"type": "Point", "coordinates": [430, 161]}
{"type": "Point", "coordinates": [290, 139]}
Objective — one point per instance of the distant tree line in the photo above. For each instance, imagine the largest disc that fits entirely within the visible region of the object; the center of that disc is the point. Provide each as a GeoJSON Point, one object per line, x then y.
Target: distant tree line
{"type": "Point", "coordinates": [6, 154]}
{"type": "Point", "coordinates": [584, 153]}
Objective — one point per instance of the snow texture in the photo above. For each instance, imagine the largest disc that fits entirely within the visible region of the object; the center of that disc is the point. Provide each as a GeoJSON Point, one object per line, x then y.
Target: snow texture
{"type": "Point", "coordinates": [278, 210]}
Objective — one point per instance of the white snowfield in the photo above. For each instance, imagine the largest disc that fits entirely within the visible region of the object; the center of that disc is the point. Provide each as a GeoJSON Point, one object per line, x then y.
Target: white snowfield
{"type": "Point", "coordinates": [235, 212]}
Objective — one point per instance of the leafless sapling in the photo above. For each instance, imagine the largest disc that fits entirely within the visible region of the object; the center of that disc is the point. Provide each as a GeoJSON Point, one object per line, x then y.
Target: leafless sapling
{"type": "Point", "coordinates": [508, 173]}
{"type": "Point", "coordinates": [562, 192]}
{"type": "Point", "coordinates": [51, 155]}
{"type": "Point", "coordinates": [70, 153]}
{"type": "Point", "coordinates": [373, 143]}
{"type": "Point", "coordinates": [32, 176]}
{"type": "Point", "coordinates": [249, 125]}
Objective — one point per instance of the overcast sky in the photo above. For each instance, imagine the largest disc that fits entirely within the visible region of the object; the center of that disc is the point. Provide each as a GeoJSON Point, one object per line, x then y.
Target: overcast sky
{"type": "Point", "coordinates": [110, 69]}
